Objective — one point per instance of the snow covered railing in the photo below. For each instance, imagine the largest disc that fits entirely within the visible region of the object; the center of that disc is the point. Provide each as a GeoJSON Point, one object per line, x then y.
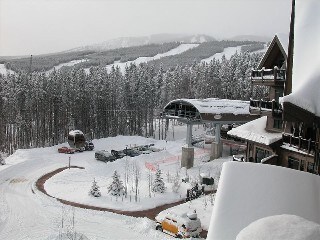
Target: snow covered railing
{"type": "Point", "coordinates": [263, 105]}
{"type": "Point", "coordinates": [269, 74]}
{"type": "Point", "coordinates": [299, 143]}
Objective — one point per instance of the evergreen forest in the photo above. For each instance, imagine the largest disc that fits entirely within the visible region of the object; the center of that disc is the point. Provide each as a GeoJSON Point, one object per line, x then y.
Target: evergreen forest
{"type": "Point", "coordinates": [39, 109]}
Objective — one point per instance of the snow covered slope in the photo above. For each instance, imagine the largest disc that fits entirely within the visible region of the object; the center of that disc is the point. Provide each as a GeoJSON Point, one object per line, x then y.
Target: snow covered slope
{"type": "Point", "coordinates": [5, 71]}
{"type": "Point", "coordinates": [178, 50]}
{"type": "Point", "coordinates": [227, 52]}
{"type": "Point", "coordinates": [67, 64]}
{"type": "Point", "coordinates": [250, 191]}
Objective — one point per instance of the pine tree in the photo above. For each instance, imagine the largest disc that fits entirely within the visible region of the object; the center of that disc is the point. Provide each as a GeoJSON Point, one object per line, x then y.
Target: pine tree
{"type": "Point", "coordinates": [158, 183]}
{"type": "Point", "coordinates": [116, 188]}
{"type": "Point", "coordinates": [95, 191]}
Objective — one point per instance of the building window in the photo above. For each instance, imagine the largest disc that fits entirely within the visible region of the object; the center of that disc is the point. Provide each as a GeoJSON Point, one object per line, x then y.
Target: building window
{"type": "Point", "coordinates": [277, 124]}
{"type": "Point", "coordinates": [261, 154]}
{"type": "Point", "coordinates": [293, 163]}
{"type": "Point", "coordinates": [310, 168]}
{"type": "Point", "coordinates": [302, 165]}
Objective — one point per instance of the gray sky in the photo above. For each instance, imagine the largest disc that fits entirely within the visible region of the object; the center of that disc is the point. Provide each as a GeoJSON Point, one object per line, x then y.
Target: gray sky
{"type": "Point", "coordinates": [43, 26]}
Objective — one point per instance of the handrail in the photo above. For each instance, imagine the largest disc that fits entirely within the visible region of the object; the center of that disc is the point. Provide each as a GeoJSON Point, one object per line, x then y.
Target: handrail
{"type": "Point", "coordinates": [273, 106]}
{"type": "Point", "coordinates": [299, 142]}
{"type": "Point", "coordinates": [269, 74]}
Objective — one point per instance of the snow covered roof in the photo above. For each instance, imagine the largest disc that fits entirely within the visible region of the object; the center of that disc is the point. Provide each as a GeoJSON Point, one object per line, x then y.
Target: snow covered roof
{"type": "Point", "coordinates": [306, 58]}
{"type": "Point", "coordinates": [255, 131]}
{"type": "Point", "coordinates": [75, 132]}
{"type": "Point", "coordinates": [218, 106]}
{"type": "Point", "coordinates": [282, 40]}
{"type": "Point", "coordinates": [249, 191]}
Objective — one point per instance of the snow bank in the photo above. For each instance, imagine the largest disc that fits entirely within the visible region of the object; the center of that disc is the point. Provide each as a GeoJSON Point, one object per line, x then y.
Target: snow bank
{"type": "Point", "coordinates": [285, 227]}
{"type": "Point", "coordinates": [306, 62]}
{"type": "Point", "coordinates": [249, 191]}
{"type": "Point", "coordinates": [255, 131]}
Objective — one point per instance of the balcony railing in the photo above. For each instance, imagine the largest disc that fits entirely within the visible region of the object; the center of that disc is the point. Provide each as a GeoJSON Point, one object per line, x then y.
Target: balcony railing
{"type": "Point", "coordinates": [276, 75]}
{"type": "Point", "coordinates": [306, 145]}
{"type": "Point", "coordinates": [264, 106]}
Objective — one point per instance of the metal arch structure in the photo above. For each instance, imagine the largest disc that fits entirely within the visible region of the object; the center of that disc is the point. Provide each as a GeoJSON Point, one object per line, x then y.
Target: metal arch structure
{"type": "Point", "coordinates": [210, 110]}
{"type": "Point", "coordinates": [183, 111]}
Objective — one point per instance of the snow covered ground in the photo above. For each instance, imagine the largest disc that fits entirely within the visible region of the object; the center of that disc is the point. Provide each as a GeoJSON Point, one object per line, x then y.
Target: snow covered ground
{"type": "Point", "coordinates": [5, 71]}
{"type": "Point", "coordinates": [37, 216]}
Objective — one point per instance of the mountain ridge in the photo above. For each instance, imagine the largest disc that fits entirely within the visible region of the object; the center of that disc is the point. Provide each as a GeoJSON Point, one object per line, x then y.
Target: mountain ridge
{"type": "Point", "coordinates": [122, 42]}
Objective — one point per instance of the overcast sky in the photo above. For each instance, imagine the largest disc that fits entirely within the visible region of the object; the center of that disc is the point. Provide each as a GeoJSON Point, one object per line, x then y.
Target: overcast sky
{"type": "Point", "coordinates": [43, 26]}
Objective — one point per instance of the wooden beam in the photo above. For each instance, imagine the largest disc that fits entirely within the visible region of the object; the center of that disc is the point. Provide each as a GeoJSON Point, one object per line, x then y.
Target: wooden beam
{"type": "Point", "coordinates": [288, 85]}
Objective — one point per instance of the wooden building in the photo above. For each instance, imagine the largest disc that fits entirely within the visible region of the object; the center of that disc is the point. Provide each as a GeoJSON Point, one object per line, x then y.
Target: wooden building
{"type": "Point", "coordinates": [292, 127]}
{"type": "Point", "coordinates": [264, 135]}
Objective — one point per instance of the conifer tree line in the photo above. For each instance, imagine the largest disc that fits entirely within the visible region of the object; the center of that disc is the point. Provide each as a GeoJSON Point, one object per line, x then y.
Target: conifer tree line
{"type": "Point", "coordinates": [40, 109]}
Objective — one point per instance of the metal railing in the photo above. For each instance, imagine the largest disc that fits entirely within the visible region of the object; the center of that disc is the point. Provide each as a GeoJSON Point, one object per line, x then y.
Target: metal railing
{"type": "Point", "coordinates": [275, 74]}
{"type": "Point", "coordinates": [306, 145]}
{"type": "Point", "coordinates": [266, 105]}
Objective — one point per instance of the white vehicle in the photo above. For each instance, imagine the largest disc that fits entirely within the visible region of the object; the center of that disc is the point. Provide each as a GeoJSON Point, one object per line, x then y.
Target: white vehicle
{"type": "Point", "coordinates": [185, 225]}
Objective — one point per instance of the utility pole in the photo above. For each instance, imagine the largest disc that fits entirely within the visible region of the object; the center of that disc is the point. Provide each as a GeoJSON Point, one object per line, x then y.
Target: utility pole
{"type": "Point", "coordinates": [30, 65]}
{"type": "Point", "coordinates": [288, 83]}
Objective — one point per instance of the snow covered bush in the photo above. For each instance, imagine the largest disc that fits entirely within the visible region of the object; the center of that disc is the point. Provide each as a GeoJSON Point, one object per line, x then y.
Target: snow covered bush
{"type": "Point", "coordinates": [158, 183]}
{"type": "Point", "coordinates": [116, 188]}
{"type": "Point", "coordinates": [95, 189]}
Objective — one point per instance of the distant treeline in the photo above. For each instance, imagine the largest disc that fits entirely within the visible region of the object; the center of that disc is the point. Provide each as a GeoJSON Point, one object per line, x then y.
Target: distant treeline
{"type": "Point", "coordinates": [195, 55]}
{"type": "Point", "coordinates": [39, 109]}
{"type": "Point", "coordinates": [43, 62]}
{"type": "Point", "coordinates": [204, 50]}
{"type": "Point", "coordinates": [46, 62]}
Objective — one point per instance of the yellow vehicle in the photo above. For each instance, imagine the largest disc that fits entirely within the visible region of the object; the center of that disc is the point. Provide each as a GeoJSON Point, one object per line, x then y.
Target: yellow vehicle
{"type": "Point", "coordinates": [185, 225]}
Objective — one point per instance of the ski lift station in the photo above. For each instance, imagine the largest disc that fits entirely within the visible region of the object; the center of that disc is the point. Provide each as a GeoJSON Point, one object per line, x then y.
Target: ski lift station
{"type": "Point", "coordinates": [211, 110]}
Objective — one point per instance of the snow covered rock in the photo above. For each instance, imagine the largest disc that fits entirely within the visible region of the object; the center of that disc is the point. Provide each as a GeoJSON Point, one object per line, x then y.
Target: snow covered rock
{"type": "Point", "coordinates": [282, 227]}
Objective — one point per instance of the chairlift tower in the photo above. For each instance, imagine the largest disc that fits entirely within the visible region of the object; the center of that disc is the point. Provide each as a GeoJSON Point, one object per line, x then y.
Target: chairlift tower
{"type": "Point", "coordinates": [211, 110]}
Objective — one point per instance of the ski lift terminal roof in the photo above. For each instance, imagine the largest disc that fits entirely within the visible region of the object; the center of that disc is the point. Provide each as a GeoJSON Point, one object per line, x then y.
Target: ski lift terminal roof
{"type": "Point", "coordinates": [208, 110]}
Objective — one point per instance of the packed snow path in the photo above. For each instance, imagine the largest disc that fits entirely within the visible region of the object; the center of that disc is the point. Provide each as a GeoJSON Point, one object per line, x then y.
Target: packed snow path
{"type": "Point", "coordinates": [26, 213]}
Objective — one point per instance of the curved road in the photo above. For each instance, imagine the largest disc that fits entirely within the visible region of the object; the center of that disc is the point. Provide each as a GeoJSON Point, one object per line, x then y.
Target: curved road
{"type": "Point", "coordinates": [27, 213]}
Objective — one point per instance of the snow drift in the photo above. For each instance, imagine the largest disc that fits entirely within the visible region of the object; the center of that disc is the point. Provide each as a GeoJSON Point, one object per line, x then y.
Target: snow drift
{"type": "Point", "coordinates": [250, 191]}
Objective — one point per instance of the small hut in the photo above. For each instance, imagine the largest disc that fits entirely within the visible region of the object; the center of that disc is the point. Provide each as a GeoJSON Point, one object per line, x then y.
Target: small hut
{"type": "Point", "coordinates": [76, 139]}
